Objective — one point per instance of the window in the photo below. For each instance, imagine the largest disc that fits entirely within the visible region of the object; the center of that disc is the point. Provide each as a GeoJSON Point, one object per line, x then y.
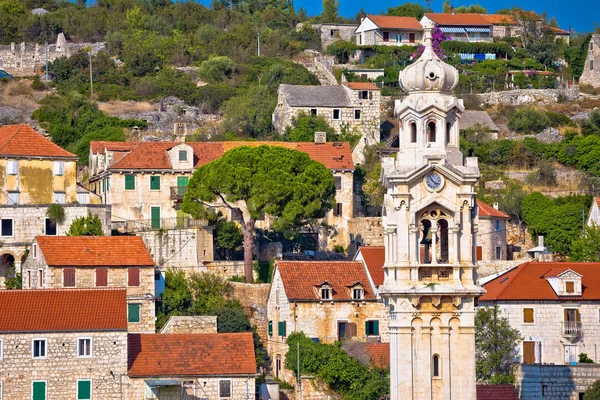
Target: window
{"type": "Point", "coordinates": [338, 182]}
{"type": "Point", "coordinates": [436, 366]}
{"type": "Point", "coordinates": [84, 347]}
{"type": "Point", "coordinates": [372, 328]}
{"type": "Point", "coordinates": [28, 283]}
{"type": "Point", "coordinates": [336, 114]}
{"type": "Point", "coordinates": [59, 168]}
{"type": "Point", "coordinates": [225, 388]}
{"type": "Point", "coordinates": [313, 111]}
{"type": "Point", "coordinates": [356, 114]}
{"type": "Point", "coordinates": [398, 38]}
{"type": "Point", "coordinates": [363, 94]}
{"type": "Point", "coordinates": [444, 274]}
{"type": "Point", "coordinates": [49, 227]}
{"type": "Point", "coordinates": [591, 45]}
{"type": "Point", "coordinates": [431, 132]}
{"type": "Point", "coordinates": [134, 276]}
{"type": "Point", "coordinates": [40, 282]}
{"type": "Point", "coordinates": [84, 389]}
{"type": "Point", "coordinates": [497, 222]}
{"type": "Point", "coordinates": [69, 277]}
{"type": "Point", "coordinates": [357, 293]}
{"type": "Point", "coordinates": [1, 356]}
{"type": "Point", "coordinates": [591, 65]}
{"type": "Point", "coordinates": [270, 328]}
{"type": "Point", "coordinates": [38, 348]}
{"type": "Point", "coordinates": [34, 248]}
{"type": "Point", "coordinates": [101, 277]}
{"type": "Point", "coordinates": [448, 130]}
{"type": "Point", "coordinates": [59, 197]}
{"type": "Point", "coordinates": [6, 226]}
{"type": "Point", "coordinates": [38, 390]}
{"type": "Point", "coordinates": [386, 36]}
{"type": "Point", "coordinates": [282, 328]}
{"type": "Point", "coordinates": [12, 167]}
{"type": "Point", "coordinates": [133, 313]}
{"type": "Point", "coordinates": [155, 182]}
{"type": "Point", "coordinates": [498, 253]}
{"type": "Point", "coordinates": [425, 274]}
{"type": "Point", "coordinates": [528, 315]}
{"type": "Point", "coordinates": [13, 197]}
{"type": "Point", "coordinates": [183, 155]}
{"type": "Point", "coordinates": [129, 182]}
{"type": "Point", "coordinates": [337, 211]}
{"type": "Point", "coordinates": [413, 132]}
{"type": "Point", "coordinates": [325, 293]}
{"type": "Point", "coordinates": [570, 287]}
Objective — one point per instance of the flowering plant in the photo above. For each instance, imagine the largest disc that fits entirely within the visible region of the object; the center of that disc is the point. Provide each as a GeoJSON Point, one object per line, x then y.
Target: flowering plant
{"type": "Point", "coordinates": [437, 37]}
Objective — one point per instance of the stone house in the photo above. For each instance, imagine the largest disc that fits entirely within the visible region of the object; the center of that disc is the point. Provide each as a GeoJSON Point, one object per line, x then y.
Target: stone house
{"type": "Point", "coordinates": [555, 307]}
{"type": "Point", "coordinates": [331, 33]}
{"type": "Point", "coordinates": [191, 366]}
{"type": "Point", "coordinates": [96, 261]}
{"type": "Point", "coordinates": [389, 31]}
{"type": "Point", "coordinates": [35, 173]}
{"type": "Point", "coordinates": [63, 344]}
{"type": "Point", "coordinates": [145, 183]}
{"type": "Point", "coordinates": [502, 25]}
{"type": "Point", "coordinates": [594, 215]}
{"type": "Point", "coordinates": [463, 27]}
{"type": "Point", "coordinates": [354, 106]}
{"type": "Point", "coordinates": [327, 300]}
{"type": "Point", "coordinates": [591, 68]}
{"type": "Point", "coordinates": [491, 235]}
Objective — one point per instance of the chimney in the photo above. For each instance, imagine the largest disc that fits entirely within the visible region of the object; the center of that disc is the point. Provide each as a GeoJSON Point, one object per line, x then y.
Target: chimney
{"type": "Point", "coordinates": [496, 205]}
{"type": "Point", "coordinates": [540, 241]}
{"type": "Point", "coordinates": [180, 131]}
{"type": "Point", "coordinates": [320, 137]}
{"type": "Point", "coordinates": [452, 10]}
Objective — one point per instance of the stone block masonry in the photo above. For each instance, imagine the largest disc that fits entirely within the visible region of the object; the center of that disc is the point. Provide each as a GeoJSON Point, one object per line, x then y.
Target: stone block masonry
{"type": "Point", "coordinates": [554, 382]}
{"type": "Point", "coordinates": [528, 96]}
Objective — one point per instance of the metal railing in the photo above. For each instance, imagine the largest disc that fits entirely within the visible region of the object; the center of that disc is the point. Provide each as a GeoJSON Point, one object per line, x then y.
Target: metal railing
{"type": "Point", "coordinates": [144, 225]}
{"type": "Point", "coordinates": [177, 192]}
{"type": "Point", "coordinates": [571, 328]}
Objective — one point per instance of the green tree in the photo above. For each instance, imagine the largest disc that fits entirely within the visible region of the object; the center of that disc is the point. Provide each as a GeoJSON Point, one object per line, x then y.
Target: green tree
{"type": "Point", "coordinates": [407, 10]}
{"type": "Point", "coordinates": [305, 125]}
{"type": "Point", "coordinates": [593, 392]}
{"type": "Point", "coordinates": [281, 183]}
{"type": "Point", "coordinates": [86, 226]}
{"type": "Point", "coordinates": [495, 346]}
{"type": "Point", "coordinates": [250, 113]}
{"type": "Point", "coordinates": [14, 279]}
{"type": "Point", "coordinates": [330, 11]}
{"type": "Point", "coordinates": [529, 120]}
{"type": "Point", "coordinates": [176, 299]}
{"type": "Point", "coordinates": [217, 68]}
{"type": "Point", "coordinates": [472, 9]}
{"type": "Point", "coordinates": [228, 237]}
{"type": "Point", "coordinates": [587, 246]}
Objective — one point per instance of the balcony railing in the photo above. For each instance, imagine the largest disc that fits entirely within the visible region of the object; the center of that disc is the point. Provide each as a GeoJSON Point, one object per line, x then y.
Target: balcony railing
{"type": "Point", "coordinates": [177, 192]}
{"type": "Point", "coordinates": [144, 225]}
{"type": "Point", "coordinates": [571, 328]}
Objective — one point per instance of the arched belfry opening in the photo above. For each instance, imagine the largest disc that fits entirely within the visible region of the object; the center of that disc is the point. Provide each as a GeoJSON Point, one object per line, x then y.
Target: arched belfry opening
{"type": "Point", "coordinates": [434, 236]}
{"type": "Point", "coordinates": [413, 132]}
{"type": "Point", "coordinates": [431, 132]}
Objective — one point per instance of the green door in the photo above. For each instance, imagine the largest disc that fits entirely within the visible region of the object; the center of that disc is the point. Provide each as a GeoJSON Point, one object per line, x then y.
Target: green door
{"type": "Point", "coordinates": [38, 391]}
{"type": "Point", "coordinates": [182, 182]}
{"type": "Point", "coordinates": [155, 215]}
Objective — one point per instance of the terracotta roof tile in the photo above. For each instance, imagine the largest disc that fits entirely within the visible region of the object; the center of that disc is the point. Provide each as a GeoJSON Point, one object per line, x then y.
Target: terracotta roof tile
{"type": "Point", "coordinates": [499, 19]}
{"type": "Point", "coordinates": [489, 211]}
{"type": "Point", "coordinates": [528, 282]}
{"type": "Point", "coordinates": [301, 279]}
{"type": "Point", "coordinates": [92, 251]}
{"type": "Point", "coordinates": [392, 22]}
{"type": "Point", "coordinates": [374, 257]}
{"type": "Point", "coordinates": [22, 140]}
{"type": "Point", "coordinates": [496, 392]}
{"type": "Point", "coordinates": [379, 353]}
{"type": "Point", "coordinates": [557, 31]}
{"type": "Point", "coordinates": [458, 19]}
{"type": "Point", "coordinates": [361, 86]}
{"type": "Point", "coordinates": [55, 310]}
{"type": "Point", "coordinates": [169, 354]}
{"type": "Point", "coordinates": [100, 146]}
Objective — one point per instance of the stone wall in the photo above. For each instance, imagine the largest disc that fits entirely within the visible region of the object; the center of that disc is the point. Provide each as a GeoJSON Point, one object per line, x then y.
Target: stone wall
{"type": "Point", "coordinates": [62, 368]}
{"type": "Point", "coordinates": [254, 299]}
{"type": "Point", "coordinates": [179, 248]}
{"type": "Point", "coordinates": [592, 76]}
{"type": "Point", "coordinates": [226, 269]}
{"type": "Point", "coordinates": [331, 33]}
{"type": "Point", "coordinates": [364, 231]}
{"type": "Point", "coordinates": [490, 235]}
{"type": "Point", "coordinates": [205, 387]}
{"type": "Point", "coordinates": [554, 382]}
{"type": "Point", "coordinates": [528, 96]}
{"type": "Point", "coordinates": [191, 324]}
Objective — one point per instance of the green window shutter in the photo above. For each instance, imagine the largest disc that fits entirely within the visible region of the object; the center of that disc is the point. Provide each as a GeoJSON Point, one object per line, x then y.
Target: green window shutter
{"type": "Point", "coordinates": [133, 313]}
{"type": "Point", "coordinates": [367, 328]}
{"type": "Point", "coordinates": [39, 391]}
{"type": "Point", "coordinates": [270, 328]}
{"type": "Point", "coordinates": [84, 390]}
{"type": "Point", "coordinates": [281, 328]}
{"type": "Point", "coordinates": [182, 182]}
{"type": "Point", "coordinates": [376, 328]}
{"type": "Point", "coordinates": [129, 182]}
{"type": "Point", "coordinates": [155, 217]}
{"type": "Point", "coordinates": [155, 182]}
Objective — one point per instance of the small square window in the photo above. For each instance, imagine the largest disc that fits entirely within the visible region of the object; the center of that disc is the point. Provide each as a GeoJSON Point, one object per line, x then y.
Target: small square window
{"type": "Point", "coordinates": [325, 293]}
{"type": "Point", "coordinates": [444, 274]}
{"type": "Point", "coordinates": [338, 182]}
{"type": "Point", "coordinates": [133, 313]}
{"type": "Point", "coordinates": [357, 293]}
{"type": "Point", "coordinates": [225, 389]}
{"type": "Point", "coordinates": [570, 287]}
{"type": "Point", "coordinates": [129, 182]}
{"type": "Point", "coordinates": [363, 94]}
{"type": "Point", "coordinates": [50, 228]}
{"type": "Point", "coordinates": [336, 114]}
{"type": "Point", "coordinates": [59, 168]}
{"type": "Point", "coordinates": [313, 111]}
{"type": "Point", "coordinates": [372, 328]}
{"type": "Point", "coordinates": [6, 228]}
{"type": "Point", "coordinates": [155, 182]}
{"type": "Point", "coordinates": [183, 155]}
{"type": "Point", "coordinates": [59, 197]}
{"type": "Point", "coordinates": [84, 347]}
{"type": "Point", "coordinates": [13, 197]}
{"type": "Point", "coordinates": [12, 167]}
{"type": "Point", "coordinates": [356, 114]}
{"type": "Point", "coordinates": [38, 348]}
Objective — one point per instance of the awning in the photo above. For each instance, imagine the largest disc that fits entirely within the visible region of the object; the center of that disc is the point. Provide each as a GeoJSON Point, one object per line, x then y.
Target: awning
{"type": "Point", "coordinates": [452, 30]}
{"type": "Point", "coordinates": [162, 382]}
{"type": "Point", "coordinates": [478, 30]}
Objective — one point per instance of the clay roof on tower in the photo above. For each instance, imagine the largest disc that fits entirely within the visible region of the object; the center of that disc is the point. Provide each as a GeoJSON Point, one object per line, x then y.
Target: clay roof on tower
{"type": "Point", "coordinates": [63, 310]}
{"type": "Point", "coordinates": [374, 257]}
{"type": "Point", "coordinates": [170, 354]}
{"type": "Point", "coordinates": [302, 279]}
{"type": "Point", "coordinates": [392, 22]}
{"type": "Point", "coordinates": [23, 141]}
{"type": "Point", "coordinates": [528, 282]}
{"type": "Point", "coordinates": [88, 251]}
{"type": "Point", "coordinates": [486, 211]}
{"type": "Point", "coordinates": [458, 19]}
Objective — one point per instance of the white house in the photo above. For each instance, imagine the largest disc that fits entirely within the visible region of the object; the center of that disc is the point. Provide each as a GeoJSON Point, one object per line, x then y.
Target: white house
{"type": "Point", "coordinates": [389, 31]}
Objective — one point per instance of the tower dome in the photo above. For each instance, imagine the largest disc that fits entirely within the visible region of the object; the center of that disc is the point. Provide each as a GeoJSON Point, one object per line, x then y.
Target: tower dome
{"type": "Point", "coordinates": [429, 73]}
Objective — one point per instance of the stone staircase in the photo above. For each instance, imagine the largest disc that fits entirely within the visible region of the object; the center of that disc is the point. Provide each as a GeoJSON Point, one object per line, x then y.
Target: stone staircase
{"type": "Point", "coordinates": [320, 66]}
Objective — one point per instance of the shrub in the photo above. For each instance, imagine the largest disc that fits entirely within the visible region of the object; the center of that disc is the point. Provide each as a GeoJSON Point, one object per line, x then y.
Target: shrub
{"type": "Point", "coordinates": [529, 120]}
{"type": "Point", "coordinates": [558, 119]}
{"type": "Point", "coordinates": [583, 358]}
{"type": "Point", "coordinates": [305, 125]}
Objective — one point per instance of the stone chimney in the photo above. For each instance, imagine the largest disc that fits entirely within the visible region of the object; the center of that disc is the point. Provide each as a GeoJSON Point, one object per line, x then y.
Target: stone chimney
{"type": "Point", "coordinates": [540, 241]}
{"type": "Point", "coordinates": [320, 137]}
{"type": "Point", "coordinates": [496, 205]}
{"type": "Point", "coordinates": [180, 131]}
{"type": "Point", "coordinates": [452, 10]}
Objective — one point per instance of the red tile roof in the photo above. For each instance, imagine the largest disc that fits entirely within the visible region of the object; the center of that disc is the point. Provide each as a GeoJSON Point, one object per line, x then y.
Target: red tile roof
{"type": "Point", "coordinates": [557, 31]}
{"type": "Point", "coordinates": [458, 19]}
{"type": "Point", "coordinates": [391, 22]}
{"type": "Point", "coordinates": [99, 146]}
{"type": "Point", "coordinates": [361, 86]}
{"type": "Point", "coordinates": [23, 141]}
{"type": "Point", "coordinates": [379, 353]}
{"type": "Point", "coordinates": [91, 251]}
{"type": "Point", "coordinates": [153, 155]}
{"type": "Point", "coordinates": [528, 282]}
{"type": "Point", "coordinates": [374, 257]}
{"type": "Point", "coordinates": [499, 19]}
{"type": "Point", "coordinates": [167, 354]}
{"type": "Point", "coordinates": [61, 310]}
{"type": "Point", "coordinates": [496, 392]}
{"type": "Point", "coordinates": [301, 279]}
{"type": "Point", "coordinates": [486, 211]}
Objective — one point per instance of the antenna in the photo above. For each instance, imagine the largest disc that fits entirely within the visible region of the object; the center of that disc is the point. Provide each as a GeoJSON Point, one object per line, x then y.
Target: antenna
{"type": "Point", "coordinates": [428, 2]}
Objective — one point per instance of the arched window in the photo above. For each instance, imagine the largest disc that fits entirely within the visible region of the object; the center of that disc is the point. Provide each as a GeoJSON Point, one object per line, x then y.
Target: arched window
{"type": "Point", "coordinates": [413, 132]}
{"type": "Point", "coordinates": [436, 366]}
{"type": "Point", "coordinates": [431, 132]}
{"type": "Point", "coordinates": [448, 130]}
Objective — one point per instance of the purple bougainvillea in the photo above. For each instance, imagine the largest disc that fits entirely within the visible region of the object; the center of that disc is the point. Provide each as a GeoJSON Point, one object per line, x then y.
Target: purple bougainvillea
{"type": "Point", "coordinates": [437, 37]}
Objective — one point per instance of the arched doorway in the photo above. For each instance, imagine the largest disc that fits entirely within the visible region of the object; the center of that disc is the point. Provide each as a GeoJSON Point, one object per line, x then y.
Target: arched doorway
{"type": "Point", "coordinates": [7, 262]}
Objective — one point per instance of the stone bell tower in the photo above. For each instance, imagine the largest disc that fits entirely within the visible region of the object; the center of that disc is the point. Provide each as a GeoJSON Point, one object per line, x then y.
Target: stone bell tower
{"type": "Point", "coordinates": [430, 222]}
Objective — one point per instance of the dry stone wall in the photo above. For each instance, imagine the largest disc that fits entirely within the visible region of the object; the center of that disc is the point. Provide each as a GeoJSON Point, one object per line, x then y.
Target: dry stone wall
{"type": "Point", "coordinates": [554, 382]}
{"type": "Point", "coordinates": [254, 299]}
{"type": "Point", "coordinates": [528, 96]}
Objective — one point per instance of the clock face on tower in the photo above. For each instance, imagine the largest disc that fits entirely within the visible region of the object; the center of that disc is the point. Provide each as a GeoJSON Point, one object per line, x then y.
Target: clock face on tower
{"type": "Point", "coordinates": [434, 182]}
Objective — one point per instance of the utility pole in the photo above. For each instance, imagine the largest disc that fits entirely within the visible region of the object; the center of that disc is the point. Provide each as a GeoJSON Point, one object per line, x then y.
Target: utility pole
{"type": "Point", "coordinates": [582, 220]}
{"type": "Point", "coordinates": [259, 43]}
{"type": "Point", "coordinates": [91, 78]}
{"type": "Point", "coordinates": [46, 61]}
{"type": "Point", "coordinates": [299, 380]}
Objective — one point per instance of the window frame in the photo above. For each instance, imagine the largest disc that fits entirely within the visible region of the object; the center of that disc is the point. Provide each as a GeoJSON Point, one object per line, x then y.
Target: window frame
{"type": "Point", "coordinates": [157, 177]}
{"type": "Point", "coordinates": [372, 327]}
{"type": "Point", "coordinates": [230, 381]}
{"type": "Point", "coordinates": [14, 170]}
{"type": "Point", "coordinates": [338, 210]}
{"type": "Point", "coordinates": [532, 315]}
{"type": "Point", "coordinates": [11, 197]}
{"type": "Point", "coordinates": [325, 293]}
{"type": "Point", "coordinates": [185, 158]}
{"type": "Point", "coordinates": [498, 253]}
{"type": "Point", "coordinates": [105, 269]}
{"type": "Point", "coordinates": [40, 339]}
{"type": "Point", "coordinates": [64, 275]}
{"type": "Point", "coordinates": [357, 114]}
{"type": "Point", "coordinates": [90, 349]}
{"type": "Point", "coordinates": [12, 227]}
{"type": "Point", "coordinates": [337, 180]}
{"type": "Point", "coordinates": [46, 221]}
{"type": "Point", "coordinates": [58, 168]}
{"type": "Point", "coordinates": [139, 313]}
{"type": "Point", "coordinates": [360, 291]}
{"type": "Point", "coordinates": [77, 394]}
{"type": "Point", "coordinates": [436, 365]}
{"type": "Point", "coordinates": [572, 285]}
{"type": "Point", "coordinates": [339, 114]}
{"type": "Point", "coordinates": [58, 197]}
{"type": "Point", "coordinates": [131, 279]}
{"type": "Point", "coordinates": [131, 180]}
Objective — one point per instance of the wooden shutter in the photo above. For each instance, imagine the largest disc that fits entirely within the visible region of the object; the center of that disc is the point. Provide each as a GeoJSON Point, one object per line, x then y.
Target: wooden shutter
{"type": "Point", "coordinates": [479, 253]}
{"type": "Point", "coordinates": [375, 328]}
{"type": "Point", "coordinates": [69, 277]}
{"type": "Point", "coordinates": [129, 182]}
{"type": "Point", "coordinates": [528, 315]}
{"type": "Point", "coordinates": [570, 286]}
{"type": "Point", "coordinates": [101, 276]}
{"type": "Point", "coordinates": [270, 328]}
{"type": "Point", "coordinates": [281, 328]}
{"type": "Point", "coordinates": [351, 330]}
{"type": "Point", "coordinates": [528, 352]}
{"type": "Point", "coordinates": [134, 276]}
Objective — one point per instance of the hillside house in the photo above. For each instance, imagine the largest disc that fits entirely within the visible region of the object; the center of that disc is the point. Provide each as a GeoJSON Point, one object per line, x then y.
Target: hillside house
{"type": "Point", "coordinates": [462, 27]}
{"type": "Point", "coordinates": [554, 306]}
{"type": "Point", "coordinates": [328, 301]}
{"type": "Point", "coordinates": [191, 366]}
{"type": "Point", "coordinates": [63, 344]}
{"type": "Point", "coordinates": [594, 215]}
{"type": "Point", "coordinates": [353, 105]}
{"type": "Point", "coordinates": [491, 235]}
{"type": "Point", "coordinates": [591, 68]}
{"type": "Point", "coordinates": [502, 25]}
{"type": "Point", "coordinates": [389, 31]}
{"type": "Point", "coordinates": [145, 183]}
{"type": "Point", "coordinates": [331, 33]}
{"type": "Point", "coordinates": [35, 173]}
{"type": "Point", "coordinates": [96, 262]}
